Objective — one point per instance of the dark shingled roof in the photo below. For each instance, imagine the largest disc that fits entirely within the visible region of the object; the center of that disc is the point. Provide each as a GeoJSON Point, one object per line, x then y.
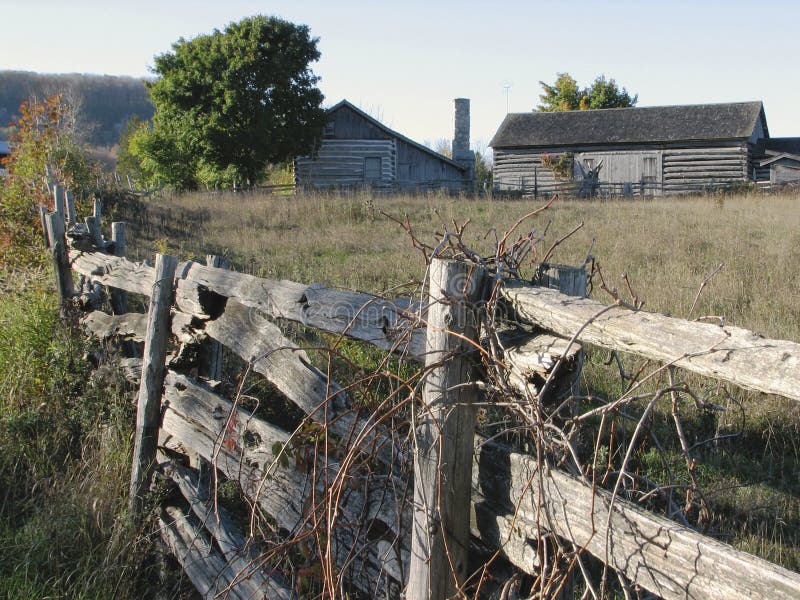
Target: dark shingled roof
{"type": "Point", "coordinates": [630, 125]}
{"type": "Point", "coordinates": [777, 146]}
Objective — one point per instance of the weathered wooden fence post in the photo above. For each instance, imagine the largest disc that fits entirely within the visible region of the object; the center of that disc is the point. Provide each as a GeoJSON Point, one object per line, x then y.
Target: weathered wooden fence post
{"type": "Point", "coordinates": [58, 250]}
{"type": "Point", "coordinates": [71, 214]}
{"type": "Point", "coordinates": [59, 200]}
{"type": "Point", "coordinates": [444, 430]}
{"type": "Point", "coordinates": [148, 412]}
{"type": "Point", "coordinates": [119, 298]}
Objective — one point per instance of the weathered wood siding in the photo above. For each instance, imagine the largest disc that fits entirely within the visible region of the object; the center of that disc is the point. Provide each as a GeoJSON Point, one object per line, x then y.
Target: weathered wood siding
{"type": "Point", "coordinates": [709, 165]}
{"type": "Point", "coordinates": [678, 167]}
{"type": "Point", "coordinates": [351, 139]}
{"type": "Point", "coordinates": [343, 163]}
{"type": "Point", "coordinates": [522, 169]}
{"type": "Point", "coordinates": [785, 170]}
{"type": "Point", "coordinates": [418, 169]}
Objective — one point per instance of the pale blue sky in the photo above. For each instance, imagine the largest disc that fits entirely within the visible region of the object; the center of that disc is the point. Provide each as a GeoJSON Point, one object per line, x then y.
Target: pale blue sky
{"type": "Point", "coordinates": [405, 61]}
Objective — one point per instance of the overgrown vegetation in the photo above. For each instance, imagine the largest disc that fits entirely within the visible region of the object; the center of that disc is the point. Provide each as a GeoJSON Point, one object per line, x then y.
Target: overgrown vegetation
{"type": "Point", "coordinates": [565, 94]}
{"type": "Point", "coordinates": [742, 484]}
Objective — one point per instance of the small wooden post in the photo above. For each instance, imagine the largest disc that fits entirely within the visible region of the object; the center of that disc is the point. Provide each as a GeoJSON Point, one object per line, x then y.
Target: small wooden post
{"type": "Point", "coordinates": [444, 430]}
{"type": "Point", "coordinates": [93, 227]}
{"type": "Point", "coordinates": [43, 218]}
{"type": "Point", "coordinates": [59, 201]}
{"type": "Point", "coordinates": [211, 354]}
{"type": "Point", "coordinates": [58, 250]}
{"type": "Point", "coordinates": [148, 413]}
{"type": "Point", "coordinates": [119, 298]}
{"type": "Point", "coordinates": [98, 210]}
{"type": "Point", "coordinates": [71, 214]}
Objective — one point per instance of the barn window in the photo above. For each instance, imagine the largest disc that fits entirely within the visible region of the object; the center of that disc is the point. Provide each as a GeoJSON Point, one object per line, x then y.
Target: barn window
{"type": "Point", "coordinates": [372, 168]}
{"type": "Point", "coordinates": [329, 130]}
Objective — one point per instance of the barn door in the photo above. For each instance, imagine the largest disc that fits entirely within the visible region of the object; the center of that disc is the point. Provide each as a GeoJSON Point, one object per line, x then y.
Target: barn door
{"type": "Point", "coordinates": [372, 168]}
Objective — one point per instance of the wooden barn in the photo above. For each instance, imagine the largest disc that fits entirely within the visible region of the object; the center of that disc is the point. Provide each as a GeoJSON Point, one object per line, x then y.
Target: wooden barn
{"type": "Point", "coordinates": [778, 161]}
{"type": "Point", "coordinates": [647, 151]}
{"type": "Point", "coordinates": [358, 150]}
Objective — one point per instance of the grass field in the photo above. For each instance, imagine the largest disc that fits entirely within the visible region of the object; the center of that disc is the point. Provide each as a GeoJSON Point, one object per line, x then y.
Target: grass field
{"type": "Point", "coordinates": [668, 249]}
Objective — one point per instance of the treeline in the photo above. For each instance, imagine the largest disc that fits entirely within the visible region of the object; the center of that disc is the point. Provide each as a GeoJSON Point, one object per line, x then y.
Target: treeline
{"type": "Point", "coordinates": [104, 103]}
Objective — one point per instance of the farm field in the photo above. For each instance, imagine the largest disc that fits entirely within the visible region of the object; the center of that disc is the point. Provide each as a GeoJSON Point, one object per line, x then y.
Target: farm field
{"type": "Point", "coordinates": [750, 476]}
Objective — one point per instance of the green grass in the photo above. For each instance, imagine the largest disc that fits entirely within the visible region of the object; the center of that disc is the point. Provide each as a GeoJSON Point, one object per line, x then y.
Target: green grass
{"type": "Point", "coordinates": [64, 458]}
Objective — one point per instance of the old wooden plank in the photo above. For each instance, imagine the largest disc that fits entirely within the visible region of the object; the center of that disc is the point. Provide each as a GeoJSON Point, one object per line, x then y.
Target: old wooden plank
{"type": "Point", "coordinates": [260, 342]}
{"type": "Point", "coordinates": [729, 353]}
{"type": "Point", "coordinates": [244, 448]}
{"type": "Point", "coordinates": [662, 556]}
{"type": "Point", "coordinates": [148, 412]}
{"type": "Point", "coordinates": [205, 567]}
{"type": "Point", "coordinates": [444, 428]}
{"type": "Point", "coordinates": [114, 271]}
{"type": "Point", "coordinates": [132, 326]}
{"type": "Point", "coordinates": [356, 315]}
{"type": "Point", "coordinates": [250, 572]}
{"type": "Point", "coordinates": [119, 298]}
{"type": "Point", "coordinates": [58, 252]}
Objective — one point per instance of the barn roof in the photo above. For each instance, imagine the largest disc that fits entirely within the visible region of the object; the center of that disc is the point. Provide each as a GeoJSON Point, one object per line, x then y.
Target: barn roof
{"type": "Point", "coordinates": [695, 122]}
{"type": "Point", "coordinates": [392, 133]}
{"type": "Point", "coordinates": [777, 146]}
{"type": "Point", "coordinates": [777, 157]}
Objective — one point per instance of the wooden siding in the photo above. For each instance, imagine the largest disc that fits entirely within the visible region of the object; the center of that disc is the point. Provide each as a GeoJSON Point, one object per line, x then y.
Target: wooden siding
{"type": "Point", "coordinates": [785, 170]}
{"type": "Point", "coordinates": [677, 166]}
{"type": "Point", "coordinates": [709, 165]}
{"type": "Point", "coordinates": [341, 163]}
{"type": "Point", "coordinates": [418, 169]}
{"type": "Point", "coordinates": [522, 169]}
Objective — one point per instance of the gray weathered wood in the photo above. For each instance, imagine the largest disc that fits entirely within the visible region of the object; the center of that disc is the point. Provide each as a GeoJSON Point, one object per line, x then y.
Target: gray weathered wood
{"type": "Point", "coordinates": [59, 201]}
{"type": "Point", "coordinates": [97, 210]}
{"type": "Point", "coordinates": [244, 447]}
{"type": "Point", "coordinates": [240, 552]}
{"type": "Point", "coordinates": [119, 298]}
{"type": "Point", "coordinates": [148, 411]}
{"type": "Point", "coordinates": [261, 343]}
{"type": "Point", "coordinates": [383, 323]}
{"type": "Point", "coordinates": [113, 271]}
{"type": "Point", "coordinates": [58, 252]}
{"type": "Point", "coordinates": [205, 567]}
{"type": "Point", "coordinates": [729, 353]}
{"type": "Point", "coordinates": [211, 354]}
{"type": "Point", "coordinates": [662, 556]}
{"type": "Point", "coordinates": [72, 216]}
{"type": "Point", "coordinates": [95, 234]}
{"type": "Point", "coordinates": [444, 428]}
{"type": "Point", "coordinates": [43, 219]}
{"type": "Point", "coordinates": [132, 326]}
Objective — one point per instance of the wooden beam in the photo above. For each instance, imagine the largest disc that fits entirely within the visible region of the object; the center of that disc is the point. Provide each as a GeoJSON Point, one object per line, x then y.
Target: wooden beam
{"type": "Point", "coordinates": [131, 326]}
{"type": "Point", "coordinates": [661, 556]}
{"type": "Point", "coordinates": [119, 298]}
{"type": "Point", "coordinates": [148, 413]}
{"type": "Point", "coordinates": [444, 429]}
{"type": "Point", "coordinates": [58, 252]}
{"type": "Point", "coordinates": [729, 353]}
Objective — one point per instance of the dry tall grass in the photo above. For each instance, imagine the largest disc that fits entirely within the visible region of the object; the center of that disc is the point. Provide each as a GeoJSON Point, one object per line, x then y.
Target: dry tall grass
{"type": "Point", "coordinates": [667, 247]}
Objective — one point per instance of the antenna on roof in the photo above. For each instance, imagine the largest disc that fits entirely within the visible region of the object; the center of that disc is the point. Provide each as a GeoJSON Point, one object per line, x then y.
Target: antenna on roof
{"type": "Point", "coordinates": [507, 85]}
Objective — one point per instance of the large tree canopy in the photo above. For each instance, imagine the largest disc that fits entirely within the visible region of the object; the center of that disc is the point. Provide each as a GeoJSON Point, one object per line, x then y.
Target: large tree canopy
{"type": "Point", "coordinates": [232, 102]}
{"type": "Point", "coordinates": [565, 94]}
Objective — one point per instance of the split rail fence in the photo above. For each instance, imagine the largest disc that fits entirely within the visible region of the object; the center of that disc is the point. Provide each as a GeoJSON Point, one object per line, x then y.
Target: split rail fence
{"type": "Point", "coordinates": [389, 540]}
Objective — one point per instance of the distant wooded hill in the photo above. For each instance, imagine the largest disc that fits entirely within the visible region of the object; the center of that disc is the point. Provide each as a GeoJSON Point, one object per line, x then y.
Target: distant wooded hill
{"type": "Point", "coordinates": [105, 102]}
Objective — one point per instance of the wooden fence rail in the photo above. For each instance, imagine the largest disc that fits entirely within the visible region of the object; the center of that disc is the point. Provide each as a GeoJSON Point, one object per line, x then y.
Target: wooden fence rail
{"type": "Point", "coordinates": [514, 501]}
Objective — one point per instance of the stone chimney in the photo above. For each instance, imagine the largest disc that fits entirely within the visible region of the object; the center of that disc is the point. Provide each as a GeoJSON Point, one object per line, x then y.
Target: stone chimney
{"type": "Point", "coordinates": [461, 152]}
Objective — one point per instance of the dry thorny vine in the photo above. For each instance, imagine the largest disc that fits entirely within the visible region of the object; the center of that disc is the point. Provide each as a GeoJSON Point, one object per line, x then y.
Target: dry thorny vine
{"type": "Point", "coordinates": [352, 525]}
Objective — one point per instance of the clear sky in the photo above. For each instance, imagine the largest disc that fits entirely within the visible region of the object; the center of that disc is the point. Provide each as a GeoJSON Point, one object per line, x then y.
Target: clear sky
{"type": "Point", "coordinates": [404, 62]}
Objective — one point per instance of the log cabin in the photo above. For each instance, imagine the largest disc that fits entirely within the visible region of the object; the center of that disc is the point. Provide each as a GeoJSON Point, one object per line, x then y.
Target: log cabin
{"type": "Point", "coordinates": [357, 150]}
{"type": "Point", "coordinates": [634, 151]}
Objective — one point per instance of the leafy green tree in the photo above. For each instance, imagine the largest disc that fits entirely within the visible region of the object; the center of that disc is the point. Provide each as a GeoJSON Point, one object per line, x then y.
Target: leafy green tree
{"type": "Point", "coordinates": [565, 94]}
{"type": "Point", "coordinates": [230, 103]}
